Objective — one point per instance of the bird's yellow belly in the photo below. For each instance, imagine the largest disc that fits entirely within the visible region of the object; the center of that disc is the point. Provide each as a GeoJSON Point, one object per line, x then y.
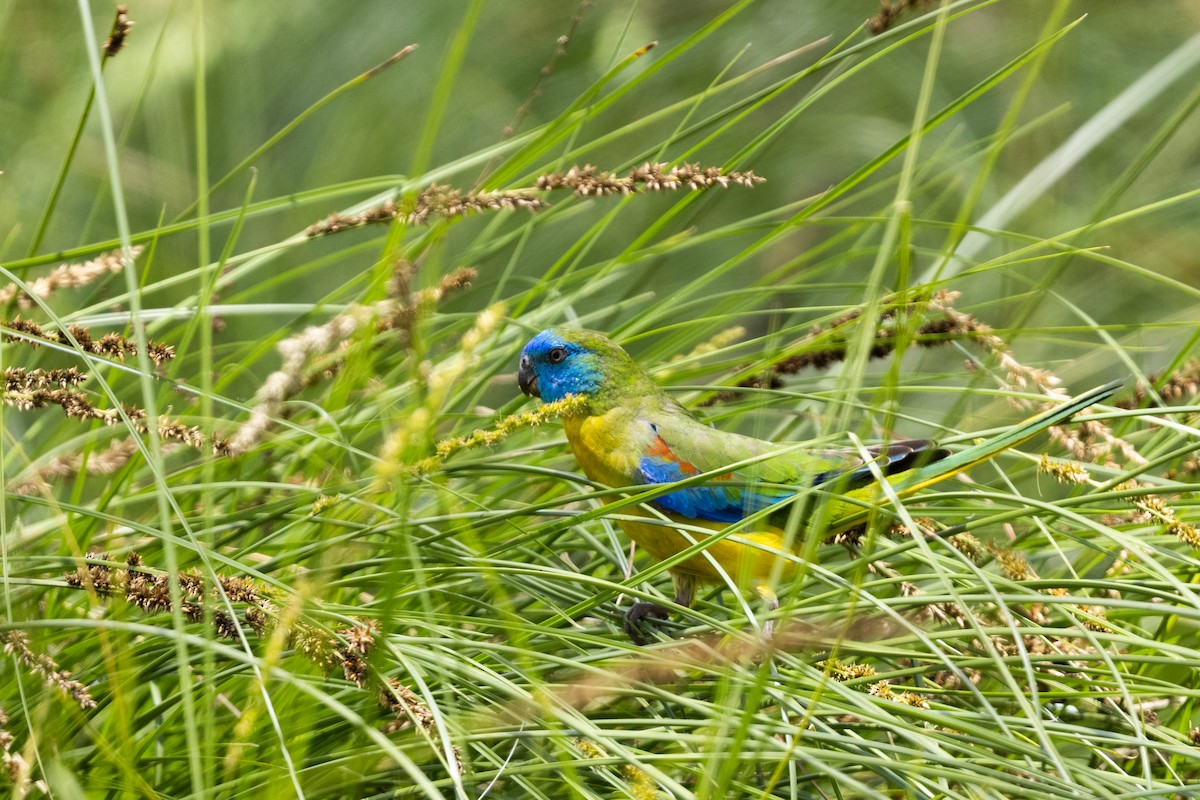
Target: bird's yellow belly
{"type": "Point", "coordinates": [748, 558]}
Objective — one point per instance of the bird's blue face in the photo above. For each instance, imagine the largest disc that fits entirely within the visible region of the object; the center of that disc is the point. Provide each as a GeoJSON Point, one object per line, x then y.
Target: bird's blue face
{"type": "Point", "coordinates": [553, 366]}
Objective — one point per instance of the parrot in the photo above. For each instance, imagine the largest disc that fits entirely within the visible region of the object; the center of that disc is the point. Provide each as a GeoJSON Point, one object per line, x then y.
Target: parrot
{"type": "Point", "coordinates": [626, 431]}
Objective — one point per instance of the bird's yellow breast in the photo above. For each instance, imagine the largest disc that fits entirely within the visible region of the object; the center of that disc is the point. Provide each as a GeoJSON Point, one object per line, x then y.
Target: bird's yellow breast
{"type": "Point", "coordinates": [605, 447]}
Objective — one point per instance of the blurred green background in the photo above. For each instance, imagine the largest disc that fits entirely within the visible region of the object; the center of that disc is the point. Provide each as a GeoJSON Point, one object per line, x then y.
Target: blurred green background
{"type": "Point", "coordinates": [264, 64]}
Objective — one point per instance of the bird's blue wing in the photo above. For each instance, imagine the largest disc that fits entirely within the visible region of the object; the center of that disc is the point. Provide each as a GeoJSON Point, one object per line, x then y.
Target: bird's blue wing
{"type": "Point", "coordinates": [732, 496]}
{"type": "Point", "coordinates": [709, 501]}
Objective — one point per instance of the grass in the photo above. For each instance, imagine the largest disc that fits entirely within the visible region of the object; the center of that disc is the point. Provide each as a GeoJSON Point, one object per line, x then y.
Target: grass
{"type": "Point", "coordinates": [323, 549]}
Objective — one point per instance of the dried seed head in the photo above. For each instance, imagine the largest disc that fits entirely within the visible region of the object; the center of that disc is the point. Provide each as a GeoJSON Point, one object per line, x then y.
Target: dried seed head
{"type": "Point", "coordinates": [66, 276]}
{"type": "Point", "coordinates": [843, 672]}
{"type": "Point", "coordinates": [1012, 564]}
{"type": "Point", "coordinates": [16, 643]}
{"type": "Point", "coordinates": [120, 32]}
{"type": "Point", "coordinates": [1063, 471]}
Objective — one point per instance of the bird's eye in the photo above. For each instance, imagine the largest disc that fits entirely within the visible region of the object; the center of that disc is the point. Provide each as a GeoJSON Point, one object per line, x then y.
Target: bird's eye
{"type": "Point", "coordinates": [557, 354]}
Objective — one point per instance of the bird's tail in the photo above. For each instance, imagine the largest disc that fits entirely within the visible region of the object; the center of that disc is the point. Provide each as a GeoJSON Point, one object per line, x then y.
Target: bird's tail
{"type": "Point", "coordinates": [907, 483]}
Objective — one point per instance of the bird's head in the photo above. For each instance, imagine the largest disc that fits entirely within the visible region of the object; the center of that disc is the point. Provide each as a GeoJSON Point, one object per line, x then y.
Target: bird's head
{"type": "Point", "coordinates": [562, 361]}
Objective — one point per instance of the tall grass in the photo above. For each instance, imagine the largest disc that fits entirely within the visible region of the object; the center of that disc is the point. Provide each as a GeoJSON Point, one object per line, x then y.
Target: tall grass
{"type": "Point", "coordinates": [296, 533]}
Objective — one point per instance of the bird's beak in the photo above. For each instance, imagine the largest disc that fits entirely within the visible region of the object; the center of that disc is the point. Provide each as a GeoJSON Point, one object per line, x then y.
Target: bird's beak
{"type": "Point", "coordinates": [527, 378]}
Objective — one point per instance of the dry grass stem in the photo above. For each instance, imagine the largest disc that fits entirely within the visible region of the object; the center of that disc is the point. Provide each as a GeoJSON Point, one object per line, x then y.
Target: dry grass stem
{"type": "Point", "coordinates": [104, 462]}
{"type": "Point", "coordinates": [110, 345]}
{"type": "Point", "coordinates": [659, 666]}
{"type": "Point", "coordinates": [407, 307]}
{"type": "Point", "coordinates": [78, 405]}
{"type": "Point", "coordinates": [21, 380]}
{"type": "Point", "coordinates": [1086, 441]}
{"type": "Point", "coordinates": [590, 181]}
{"type": "Point", "coordinates": [1183, 385]}
{"type": "Point", "coordinates": [1018, 376]}
{"type": "Point", "coordinates": [445, 202]}
{"type": "Point", "coordinates": [435, 202]}
{"type": "Point", "coordinates": [283, 384]}
{"type": "Point", "coordinates": [66, 276]}
{"type": "Point", "coordinates": [16, 643]}
{"type": "Point", "coordinates": [827, 345]}
{"type": "Point", "coordinates": [1152, 508]}
{"type": "Point", "coordinates": [407, 706]}
{"type": "Point", "coordinates": [346, 651]}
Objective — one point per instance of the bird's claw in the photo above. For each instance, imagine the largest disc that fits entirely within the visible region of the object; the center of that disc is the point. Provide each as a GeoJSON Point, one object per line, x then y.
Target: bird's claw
{"type": "Point", "coordinates": [635, 616]}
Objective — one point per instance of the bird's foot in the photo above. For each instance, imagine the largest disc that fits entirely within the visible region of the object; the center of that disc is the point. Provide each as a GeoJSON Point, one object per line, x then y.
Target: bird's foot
{"type": "Point", "coordinates": [636, 620]}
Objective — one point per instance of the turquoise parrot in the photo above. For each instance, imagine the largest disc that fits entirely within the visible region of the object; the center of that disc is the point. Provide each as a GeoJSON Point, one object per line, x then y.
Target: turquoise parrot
{"type": "Point", "coordinates": [628, 432]}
